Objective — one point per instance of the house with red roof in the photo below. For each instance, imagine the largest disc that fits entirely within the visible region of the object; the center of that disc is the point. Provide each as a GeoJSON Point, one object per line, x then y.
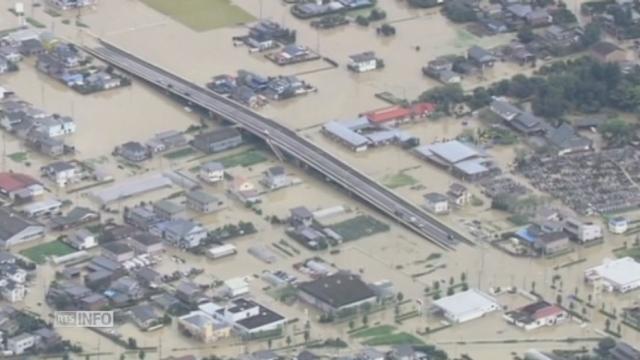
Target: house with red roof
{"type": "Point", "coordinates": [18, 186]}
{"type": "Point", "coordinates": [395, 115]}
{"type": "Point", "coordinates": [535, 315]}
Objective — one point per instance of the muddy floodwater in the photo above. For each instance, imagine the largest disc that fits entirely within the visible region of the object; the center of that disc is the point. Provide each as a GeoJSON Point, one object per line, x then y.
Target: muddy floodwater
{"type": "Point", "coordinates": [138, 112]}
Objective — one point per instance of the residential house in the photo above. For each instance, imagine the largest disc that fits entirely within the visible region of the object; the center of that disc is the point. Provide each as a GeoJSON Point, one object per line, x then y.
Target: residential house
{"type": "Point", "coordinates": [149, 277]}
{"type": "Point", "coordinates": [245, 96]}
{"type": "Point", "coordinates": [211, 172]}
{"type": "Point", "coordinates": [189, 292]}
{"type": "Point", "coordinates": [21, 343]}
{"type": "Point", "coordinates": [536, 315]}
{"type": "Point", "coordinates": [180, 233]}
{"type": "Point", "coordinates": [566, 140]}
{"type": "Point", "coordinates": [217, 140]}
{"type": "Point", "coordinates": [203, 327]}
{"type": "Point", "coordinates": [32, 47]}
{"type": "Point", "coordinates": [61, 172]}
{"type": "Point", "coordinates": [203, 202]}
{"type": "Point", "coordinates": [166, 140]}
{"type": "Point", "coordinates": [481, 57]}
{"type": "Point", "coordinates": [336, 292]}
{"type": "Point", "coordinates": [133, 151]}
{"type": "Point", "coordinates": [168, 210]}
{"type": "Point", "coordinates": [145, 243]}
{"type": "Point", "coordinates": [47, 339]}
{"type": "Point", "coordinates": [141, 217]}
{"type": "Point", "coordinates": [363, 62]}
{"type": "Point", "coordinates": [301, 216]}
{"type": "Point", "coordinates": [118, 251]}
{"type": "Point", "coordinates": [145, 317]}
{"type": "Point", "coordinates": [618, 225]}
{"type": "Point", "coordinates": [436, 203]}
{"type": "Point", "coordinates": [12, 291]}
{"type": "Point", "coordinates": [604, 51]}
{"type": "Point", "coordinates": [67, 54]}
{"type": "Point", "coordinates": [552, 243]}
{"type": "Point", "coordinates": [583, 232]}
{"type": "Point", "coordinates": [72, 4]}
{"type": "Point", "coordinates": [15, 229]}
{"type": "Point", "coordinates": [458, 194]}
{"type": "Point", "coordinates": [54, 125]}
{"type": "Point", "coordinates": [76, 217]}
{"type": "Point", "coordinates": [126, 286]}
{"type": "Point", "coordinates": [538, 17]}
{"type": "Point", "coordinates": [18, 186]}
{"type": "Point", "coordinates": [244, 190]}
{"type": "Point", "coordinates": [82, 239]}
{"type": "Point", "coordinates": [93, 302]}
{"type": "Point", "coordinates": [276, 177]}
{"type": "Point", "coordinates": [236, 287]}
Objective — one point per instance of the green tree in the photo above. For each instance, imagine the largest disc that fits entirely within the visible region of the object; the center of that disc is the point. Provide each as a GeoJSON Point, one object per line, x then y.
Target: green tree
{"type": "Point", "coordinates": [591, 34]}
{"type": "Point", "coordinates": [617, 132]}
{"type": "Point", "coordinates": [444, 96]}
{"type": "Point", "coordinates": [365, 320]}
{"type": "Point", "coordinates": [459, 11]}
{"type": "Point", "coordinates": [400, 296]}
{"type": "Point", "coordinates": [288, 340]}
{"type": "Point", "coordinates": [141, 355]}
{"type": "Point", "coordinates": [307, 335]}
{"type": "Point", "coordinates": [526, 35]}
{"type": "Point", "coordinates": [351, 324]}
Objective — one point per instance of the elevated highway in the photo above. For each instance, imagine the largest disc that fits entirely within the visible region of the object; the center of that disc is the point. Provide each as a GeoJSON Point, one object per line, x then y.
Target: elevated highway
{"type": "Point", "coordinates": [286, 141]}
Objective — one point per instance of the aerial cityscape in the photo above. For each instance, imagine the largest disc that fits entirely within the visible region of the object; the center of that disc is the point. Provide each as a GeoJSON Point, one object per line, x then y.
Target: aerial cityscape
{"type": "Point", "coordinates": [320, 179]}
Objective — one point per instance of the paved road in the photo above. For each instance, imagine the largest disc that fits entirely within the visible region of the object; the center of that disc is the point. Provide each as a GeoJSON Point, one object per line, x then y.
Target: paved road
{"type": "Point", "coordinates": [289, 142]}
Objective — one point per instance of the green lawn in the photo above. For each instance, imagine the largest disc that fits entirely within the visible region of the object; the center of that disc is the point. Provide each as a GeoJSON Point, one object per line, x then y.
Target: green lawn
{"type": "Point", "coordinates": [180, 153]}
{"type": "Point", "coordinates": [382, 330]}
{"type": "Point", "coordinates": [394, 339]}
{"type": "Point", "coordinates": [633, 252]}
{"type": "Point", "coordinates": [39, 253]}
{"type": "Point", "coordinates": [244, 159]}
{"type": "Point", "coordinates": [398, 180]}
{"type": "Point", "coordinates": [18, 157]}
{"type": "Point", "coordinates": [358, 227]}
{"type": "Point", "coordinates": [202, 15]}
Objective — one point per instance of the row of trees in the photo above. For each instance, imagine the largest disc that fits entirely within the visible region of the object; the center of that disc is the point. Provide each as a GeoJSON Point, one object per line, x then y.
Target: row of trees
{"type": "Point", "coordinates": [582, 85]}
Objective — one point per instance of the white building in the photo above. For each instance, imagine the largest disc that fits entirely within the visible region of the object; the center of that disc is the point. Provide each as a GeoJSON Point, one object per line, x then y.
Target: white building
{"type": "Point", "coordinates": [620, 275]}
{"type": "Point", "coordinates": [583, 232]}
{"type": "Point", "coordinates": [236, 287]}
{"type": "Point", "coordinates": [55, 126]}
{"type": "Point", "coordinates": [82, 239]}
{"type": "Point", "coordinates": [220, 251]}
{"type": "Point", "coordinates": [18, 344]}
{"type": "Point", "coordinates": [466, 306]}
{"type": "Point", "coordinates": [363, 62]}
{"type": "Point", "coordinates": [61, 172]}
{"type": "Point", "coordinates": [618, 225]}
{"type": "Point", "coordinates": [40, 208]}
{"type": "Point", "coordinates": [211, 172]}
{"type": "Point", "coordinates": [436, 203]}
{"type": "Point", "coordinates": [12, 291]}
{"type": "Point", "coordinates": [249, 317]}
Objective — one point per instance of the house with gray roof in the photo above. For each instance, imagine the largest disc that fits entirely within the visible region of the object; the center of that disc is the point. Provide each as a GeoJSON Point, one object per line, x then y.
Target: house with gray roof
{"type": "Point", "coordinates": [203, 202]}
{"type": "Point", "coordinates": [566, 140]}
{"type": "Point", "coordinates": [118, 251]}
{"type": "Point", "coordinates": [275, 177]}
{"type": "Point", "coordinates": [145, 317]}
{"type": "Point", "coordinates": [133, 151]}
{"type": "Point", "coordinates": [217, 140]}
{"type": "Point", "coordinates": [336, 292]}
{"type": "Point", "coordinates": [168, 210]}
{"type": "Point", "coordinates": [15, 229]}
{"type": "Point", "coordinates": [180, 233]}
{"type": "Point", "coordinates": [480, 57]}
